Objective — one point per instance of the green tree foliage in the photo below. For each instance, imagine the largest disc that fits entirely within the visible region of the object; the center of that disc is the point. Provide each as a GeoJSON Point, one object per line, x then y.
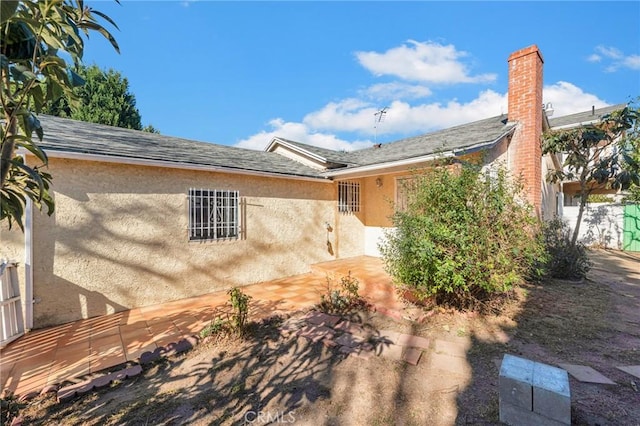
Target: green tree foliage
{"type": "Point", "coordinates": [104, 98]}
{"type": "Point", "coordinates": [35, 38]}
{"type": "Point", "coordinates": [463, 237]}
{"type": "Point", "coordinates": [604, 154]}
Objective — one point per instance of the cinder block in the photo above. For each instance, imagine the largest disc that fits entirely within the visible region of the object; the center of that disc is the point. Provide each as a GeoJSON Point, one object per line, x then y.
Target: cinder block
{"type": "Point", "coordinates": [551, 395]}
{"type": "Point", "coordinates": [516, 382]}
{"type": "Point", "coordinates": [517, 416]}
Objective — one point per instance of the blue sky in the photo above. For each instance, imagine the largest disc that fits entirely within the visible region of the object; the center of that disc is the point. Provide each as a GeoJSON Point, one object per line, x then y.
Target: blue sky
{"type": "Point", "coordinates": [239, 73]}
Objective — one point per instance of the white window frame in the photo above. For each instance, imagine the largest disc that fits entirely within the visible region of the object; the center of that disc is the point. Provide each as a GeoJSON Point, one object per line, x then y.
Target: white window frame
{"type": "Point", "coordinates": [214, 214]}
{"type": "Point", "coordinates": [348, 196]}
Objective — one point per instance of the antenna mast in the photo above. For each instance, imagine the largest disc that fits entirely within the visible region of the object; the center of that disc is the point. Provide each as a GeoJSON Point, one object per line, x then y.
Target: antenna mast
{"type": "Point", "coordinates": [379, 118]}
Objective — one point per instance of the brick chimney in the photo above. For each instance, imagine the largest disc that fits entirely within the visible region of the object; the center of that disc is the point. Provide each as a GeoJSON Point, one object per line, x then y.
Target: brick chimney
{"type": "Point", "coordinates": [525, 108]}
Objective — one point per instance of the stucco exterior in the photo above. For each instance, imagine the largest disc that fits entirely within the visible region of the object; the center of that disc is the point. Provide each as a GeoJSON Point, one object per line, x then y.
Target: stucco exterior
{"type": "Point", "coordinates": [118, 238]}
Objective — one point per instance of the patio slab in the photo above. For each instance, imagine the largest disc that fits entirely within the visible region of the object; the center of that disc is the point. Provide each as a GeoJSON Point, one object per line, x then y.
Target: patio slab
{"type": "Point", "coordinates": [58, 354]}
{"type": "Point", "coordinates": [634, 370]}
{"type": "Point", "coordinates": [586, 374]}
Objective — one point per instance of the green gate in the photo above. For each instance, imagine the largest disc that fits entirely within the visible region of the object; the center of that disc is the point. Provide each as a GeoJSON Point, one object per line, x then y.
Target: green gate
{"type": "Point", "coordinates": [631, 241]}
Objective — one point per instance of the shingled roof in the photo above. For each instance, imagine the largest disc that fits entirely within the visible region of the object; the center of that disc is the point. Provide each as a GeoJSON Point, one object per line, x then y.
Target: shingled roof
{"type": "Point", "coordinates": [62, 135]}
{"type": "Point", "coordinates": [458, 139]}
{"type": "Point", "coordinates": [582, 118]}
{"type": "Point", "coordinates": [454, 140]}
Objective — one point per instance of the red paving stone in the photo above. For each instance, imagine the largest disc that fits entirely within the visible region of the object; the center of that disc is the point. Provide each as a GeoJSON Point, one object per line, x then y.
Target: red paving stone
{"type": "Point", "coordinates": [58, 354]}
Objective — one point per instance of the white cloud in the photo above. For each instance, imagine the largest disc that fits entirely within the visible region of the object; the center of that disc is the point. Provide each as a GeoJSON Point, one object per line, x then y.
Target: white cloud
{"type": "Point", "coordinates": [355, 116]}
{"type": "Point", "coordinates": [594, 58]}
{"type": "Point", "coordinates": [567, 98]}
{"type": "Point", "coordinates": [632, 61]}
{"type": "Point", "coordinates": [396, 90]}
{"type": "Point", "coordinates": [615, 58]}
{"type": "Point", "coordinates": [609, 52]}
{"type": "Point", "coordinates": [422, 61]}
{"type": "Point", "coordinates": [300, 132]}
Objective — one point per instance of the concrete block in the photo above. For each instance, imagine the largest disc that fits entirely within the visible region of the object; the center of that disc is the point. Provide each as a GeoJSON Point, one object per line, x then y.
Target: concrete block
{"type": "Point", "coordinates": [516, 382]}
{"type": "Point", "coordinates": [551, 395]}
{"type": "Point", "coordinates": [518, 416]}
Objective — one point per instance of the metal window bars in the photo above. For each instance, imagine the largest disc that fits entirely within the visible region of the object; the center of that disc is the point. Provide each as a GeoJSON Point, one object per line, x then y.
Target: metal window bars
{"type": "Point", "coordinates": [348, 197]}
{"type": "Point", "coordinates": [213, 214]}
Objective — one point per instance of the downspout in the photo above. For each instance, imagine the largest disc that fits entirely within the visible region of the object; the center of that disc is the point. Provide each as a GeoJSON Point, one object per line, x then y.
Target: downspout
{"type": "Point", "coordinates": [28, 266]}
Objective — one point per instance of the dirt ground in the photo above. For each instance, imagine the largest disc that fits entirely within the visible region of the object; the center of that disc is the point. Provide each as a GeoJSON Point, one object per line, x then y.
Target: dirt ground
{"type": "Point", "coordinates": [269, 379]}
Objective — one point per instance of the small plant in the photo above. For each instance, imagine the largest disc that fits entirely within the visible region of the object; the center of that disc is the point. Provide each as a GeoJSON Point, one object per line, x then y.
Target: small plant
{"type": "Point", "coordinates": [342, 299]}
{"type": "Point", "coordinates": [217, 325]}
{"type": "Point", "coordinates": [9, 408]}
{"type": "Point", "coordinates": [565, 260]}
{"type": "Point", "coordinates": [240, 304]}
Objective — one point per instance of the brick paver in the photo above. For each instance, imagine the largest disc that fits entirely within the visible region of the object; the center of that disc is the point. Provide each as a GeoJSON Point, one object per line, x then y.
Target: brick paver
{"type": "Point", "coordinates": [51, 356]}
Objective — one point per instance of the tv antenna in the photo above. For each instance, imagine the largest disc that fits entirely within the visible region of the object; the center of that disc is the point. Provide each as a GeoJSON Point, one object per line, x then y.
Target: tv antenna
{"type": "Point", "coordinates": [379, 118]}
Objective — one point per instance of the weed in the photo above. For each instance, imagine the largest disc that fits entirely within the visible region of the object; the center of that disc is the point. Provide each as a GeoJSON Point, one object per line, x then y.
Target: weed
{"type": "Point", "coordinates": [240, 304]}
{"type": "Point", "coordinates": [344, 298]}
{"type": "Point", "coordinates": [216, 326]}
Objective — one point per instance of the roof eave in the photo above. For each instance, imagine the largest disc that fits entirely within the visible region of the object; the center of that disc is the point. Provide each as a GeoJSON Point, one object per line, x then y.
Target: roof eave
{"type": "Point", "coordinates": [421, 159]}
{"type": "Point", "coordinates": [71, 155]}
{"type": "Point", "coordinates": [277, 141]}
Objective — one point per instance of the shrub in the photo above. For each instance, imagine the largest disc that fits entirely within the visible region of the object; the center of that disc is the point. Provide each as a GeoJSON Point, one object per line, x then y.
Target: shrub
{"type": "Point", "coordinates": [564, 260]}
{"type": "Point", "coordinates": [462, 238]}
{"type": "Point", "coordinates": [342, 299]}
{"type": "Point", "coordinates": [240, 304]}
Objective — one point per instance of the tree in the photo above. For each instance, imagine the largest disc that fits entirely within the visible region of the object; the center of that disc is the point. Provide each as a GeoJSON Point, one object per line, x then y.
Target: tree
{"type": "Point", "coordinates": [597, 156]}
{"type": "Point", "coordinates": [36, 36]}
{"type": "Point", "coordinates": [104, 98]}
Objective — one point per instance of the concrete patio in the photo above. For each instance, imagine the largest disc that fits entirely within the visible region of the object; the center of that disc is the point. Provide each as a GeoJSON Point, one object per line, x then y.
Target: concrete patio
{"type": "Point", "coordinates": [45, 358]}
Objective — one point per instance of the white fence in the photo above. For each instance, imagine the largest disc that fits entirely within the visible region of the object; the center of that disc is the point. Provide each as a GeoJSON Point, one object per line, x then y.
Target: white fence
{"type": "Point", "coordinates": [602, 224]}
{"type": "Point", "coordinates": [11, 320]}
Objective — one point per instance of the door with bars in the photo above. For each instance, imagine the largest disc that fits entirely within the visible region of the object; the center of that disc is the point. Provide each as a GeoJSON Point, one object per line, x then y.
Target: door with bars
{"type": "Point", "coordinates": [12, 322]}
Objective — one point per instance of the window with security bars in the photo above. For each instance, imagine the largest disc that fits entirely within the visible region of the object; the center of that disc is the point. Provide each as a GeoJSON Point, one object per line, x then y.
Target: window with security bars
{"type": "Point", "coordinates": [348, 197]}
{"type": "Point", "coordinates": [213, 214]}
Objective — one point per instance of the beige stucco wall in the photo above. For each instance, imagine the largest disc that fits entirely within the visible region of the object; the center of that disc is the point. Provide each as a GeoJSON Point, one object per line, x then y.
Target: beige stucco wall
{"type": "Point", "coordinates": [118, 238]}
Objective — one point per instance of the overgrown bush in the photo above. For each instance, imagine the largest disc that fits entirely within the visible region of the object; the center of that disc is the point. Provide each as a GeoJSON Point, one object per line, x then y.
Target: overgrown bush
{"type": "Point", "coordinates": [240, 304]}
{"type": "Point", "coordinates": [463, 238]}
{"type": "Point", "coordinates": [341, 299]}
{"type": "Point", "coordinates": [565, 261]}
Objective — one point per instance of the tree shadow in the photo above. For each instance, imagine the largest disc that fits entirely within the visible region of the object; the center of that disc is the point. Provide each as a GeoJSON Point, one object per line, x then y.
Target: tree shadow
{"type": "Point", "coordinates": [586, 323]}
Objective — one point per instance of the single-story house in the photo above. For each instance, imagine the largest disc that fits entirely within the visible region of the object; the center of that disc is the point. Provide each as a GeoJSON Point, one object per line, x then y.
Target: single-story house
{"type": "Point", "coordinates": [143, 218]}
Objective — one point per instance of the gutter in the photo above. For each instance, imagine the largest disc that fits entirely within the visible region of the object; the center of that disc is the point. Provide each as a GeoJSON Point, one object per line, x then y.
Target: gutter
{"type": "Point", "coordinates": [576, 125]}
{"type": "Point", "coordinates": [69, 155]}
